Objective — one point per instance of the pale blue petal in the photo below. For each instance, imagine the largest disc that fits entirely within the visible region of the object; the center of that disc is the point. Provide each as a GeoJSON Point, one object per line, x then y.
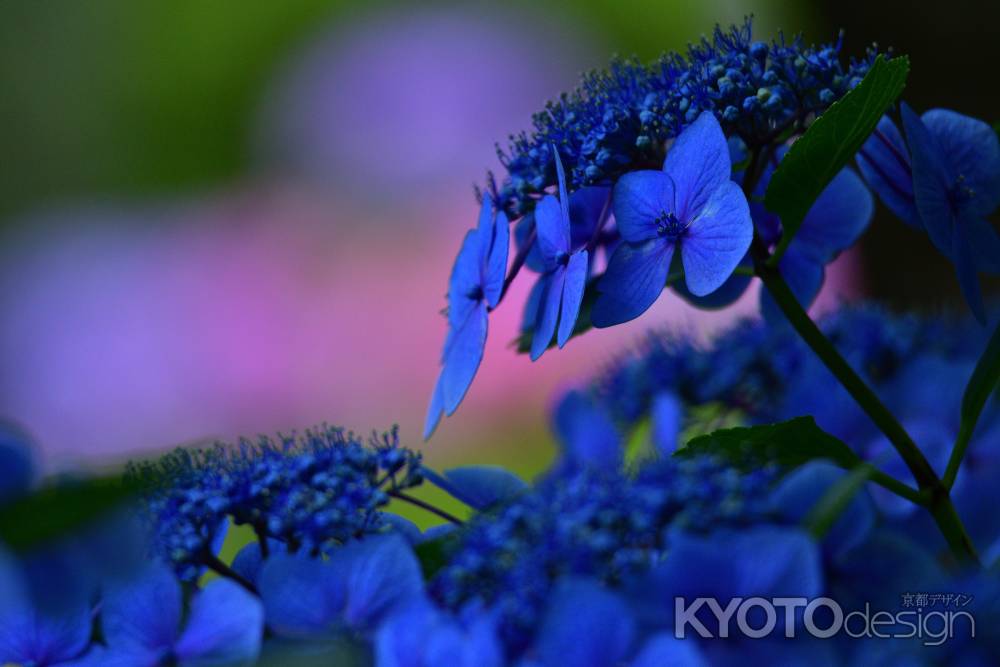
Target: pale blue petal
{"type": "Point", "coordinates": [224, 627]}
{"type": "Point", "coordinates": [575, 283]}
{"type": "Point", "coordinates": [479, 487]}
{"type": "Point", "coordinates": [144, 613]}
{"type": "Point", "coordinates": [972, 151]}
{"type": "Point", "coordinates": [635, 277]}
{"type": "Point", "coordinates": [639, 198]}
{"type": "Point", "coordinates": [553, 230]}
{"type": "Point", "coordinates": [837, 219]}
{"type": "Point", "coordinates": [548, 313]}
{"type": "Point", "coordinates": [586, 433]}
{"type": "Point", "coordinates": [968, 280]}
{"type": "Point", "coordinates": [664, 649]}
{"type": "Point", "coordinates": [496, 264]}
{"type": "Point", "coordinates": [717, 240]}
{"type": "Point", "coordinates": [436, 409]}
{"type": "Point", "coordinates": [885, 163]}
{"type": "Point", "coordinates": [804, 276]}
{"type": "Point", "coordinates": [930, 183]}
{"type": "Point", "coordinates": [698, 162]}
{"type": "Point", "coordinates": [302, 596]}
{"type": "Point", "coordinates": [667, 415]}
{"type": "Point", "coordinates": [380, 574]}
{"type": "Point", "coordinates": [463, 358]}
{"type": "Point", "coordinates": [586, 625]}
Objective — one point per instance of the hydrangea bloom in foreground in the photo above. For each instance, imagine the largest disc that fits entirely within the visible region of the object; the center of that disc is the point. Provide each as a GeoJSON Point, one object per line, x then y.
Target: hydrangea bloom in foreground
{"type": "Point", "coordinates": [691, 205]}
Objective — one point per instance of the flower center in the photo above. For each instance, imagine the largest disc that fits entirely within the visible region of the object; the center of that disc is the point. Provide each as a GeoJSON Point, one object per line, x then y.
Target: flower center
{"type": "Point", "coordinates": [667, 225]}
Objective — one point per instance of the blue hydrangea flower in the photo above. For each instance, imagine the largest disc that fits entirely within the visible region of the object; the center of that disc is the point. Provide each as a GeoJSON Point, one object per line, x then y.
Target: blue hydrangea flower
{"type": "Point", "coordinates": [421, 635]}
{"type": "Point", "coordinates": [141, 622]}
{"type": "Point", "coordinates": [585, 625]}
{"type": "Point", "coordinates": [476, 285]}
{"type": "Point", "coordinates": [692, 205]}
{"type": "Point", "coordinates": [17, 462]}
{"type": "Point", "coordinates": [357, 587]}
{"type": "Point", "coordinates": [566, 269]}
{"type": "Point", "coordinates": [947, 183]}
{"type": "Point", "coordinates": [834, 223]}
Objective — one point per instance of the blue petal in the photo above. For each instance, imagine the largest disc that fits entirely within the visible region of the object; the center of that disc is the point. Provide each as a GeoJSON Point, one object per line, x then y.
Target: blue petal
{"type": "Point", "coordinates": [404, 527]}
{"type": "Point", "coordinates": [972, 151]}
{"type": "Point", "coordinates": [465, 281]}
{"type": "Point", "coordinates": [249, 561]}
{"type": "Point", "coordinates": [984, 241]}
{"type": "Point", "coordinates": [561, 177]}
{"type": "Point", "coordinates": [717, 240]}
{"type": "Point", "coordinates": [968, 280]}
{"type": "Point", "coordinates": [548, 312]}
{"type": "Point", "coordinates": [17, 463]}
{"type": "Point", "coordinates": [143, 614]}
{"type": "Point", "coordinates": [587, 434]}
{"type": "Point", "coordinates": [664, 649]}
{"type": "Point", "coordinates": [634, 279]}
{"type": "Point", "coordinates": [729, 293]}
{"type": "Point", "coordinates": [496, 263]}
{"type": "Point", "coordinates": [839, 216]}
{"type": "Point", "coordinates": [800, 490]}
{"type": "Point", "coordinates": [533, 304]}
{"type": "Point", "coordinates": [423, 636]}
{"type": "Point", "coordinates": [553, 230]}
{"type": "Point", "coordinates": [586, 206]}
{"type": "Point", "coordinates": [930, 183]}
{"type": "Point", "coordinates": [575, 283]}
{"type": "Point", "coordinates": [698, 162]}
{"type": "Point", "coordinates": [224, 627]}
{"type": "Point", "coordinates": [463, 357]}
{"type": "Point", "coordinates": [885, 164]}
{"type": "Point", "coordinates": [666, 415]}
{"type": "Point", "coordinates": [436, 409]}
{"type": "Point", "coordinates": [479, 487]}
{"type": "Point", "coordinates": [522, 232]}
{"type": "Point", "coordinates": [380, 574]}
{"type": "Point", "coordinates": [32, 638]}
{"type": "Point", "coordinates": [639, 198]}
{"type": "Point", "coordinates": [302, 596]}
{"type": "Point", "coordinates": [804, 276]}
{"type": "Point", "coordinates": [585, 625]}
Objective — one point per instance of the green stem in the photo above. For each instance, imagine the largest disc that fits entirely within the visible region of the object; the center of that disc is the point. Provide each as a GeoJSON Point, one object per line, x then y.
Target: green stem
{"type": "Point", "coordinates": [957, 454]}
{"type": "Point", "coordinates": [937, 499]}
{"type": "Point", "coordinates": [899, 488]}
{"type": "Point", "coordinates": [399, 495]}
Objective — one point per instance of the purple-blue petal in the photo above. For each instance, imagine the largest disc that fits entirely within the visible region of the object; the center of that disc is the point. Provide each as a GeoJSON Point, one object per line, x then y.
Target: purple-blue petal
{"type": "Point", "coordinates": [380, 574]}
{"type": "Point", "coordinates": [885, 163]}
{"type": "Point", "coordinates": [436, 408]}
{"type": "Point", "coordinates": [717, 240]}
{"type": "Point", "coordinates": [574, 284]}
{"type": "Point", "coordinates": [464, 283]}
{"type": "Point", "coordinates": [225, 627]}
{"type": "Point", "coordinates": [479, 487]}
{"type": "Point", "coordinates": [972, 151]}
{"type": "Point", "coordinates": [302, 596]}
{"type": "Point", "coordinates": [734, 287]}
{"type": "Point", "coordinates": [143, 613]}
{"type": "Point", "coordinates": [463, 358]}
{"type": "Point", "coordinates": [586, 625]}
{"type": "Point", "coordinates": [495, 270]}
{"type": "Point", "coordinates": [634, 279]}
{"type": "Point", "coordinates": [639, 198]}
{"type": "Point", "coordinates": [548, 312]}
{"type": "Point", "coordinates": [930, 183]}
{"type": "Point", "coordinates": [552, 230]}
{"type": "Point", "coordinates": [804, 276]}
{"type": "Point", "coordinates": [698, 162]}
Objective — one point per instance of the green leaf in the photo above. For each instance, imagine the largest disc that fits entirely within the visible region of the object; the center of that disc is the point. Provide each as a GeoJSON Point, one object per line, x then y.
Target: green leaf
{"type": "Point", "coordinates": [59, 509]}
{"type": "Point", "coordinates": [831, 505]}
{"type": "Point", "coordinates": [788, 444]}
{"type": "Point", "coordinates": [434, 554]}
{"type": "Point", "coordinates": [830, 143]}
{"type": "Point", "coordinates": [982, 384]}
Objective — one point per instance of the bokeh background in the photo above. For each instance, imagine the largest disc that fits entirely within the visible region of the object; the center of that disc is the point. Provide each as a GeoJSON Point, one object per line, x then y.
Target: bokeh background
{"type": "Point", "coordinates": [225, 217]}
